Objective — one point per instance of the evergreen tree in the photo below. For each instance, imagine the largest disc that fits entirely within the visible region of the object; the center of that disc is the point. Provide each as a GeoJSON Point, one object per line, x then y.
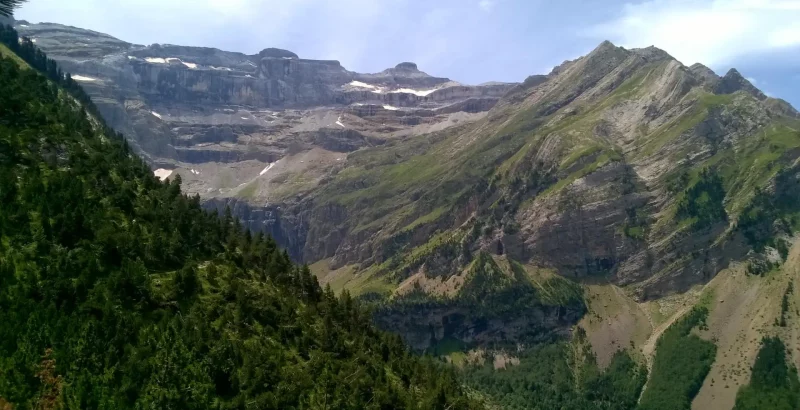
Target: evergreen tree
{"type": "Point", "coordinates": [774, 383]}
{"type": "Point", "coordinates": [7, 6]}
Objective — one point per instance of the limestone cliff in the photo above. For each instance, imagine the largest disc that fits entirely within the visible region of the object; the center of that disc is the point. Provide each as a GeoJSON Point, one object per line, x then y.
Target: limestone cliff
{"type": "Point", "coordinates": [183, 107]}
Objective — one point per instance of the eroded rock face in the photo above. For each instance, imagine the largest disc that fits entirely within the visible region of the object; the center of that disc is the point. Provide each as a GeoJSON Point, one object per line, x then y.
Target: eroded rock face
{"type": "Point", "coordinates": [192, 104]}
{"type": "Point", "coordinates": [577, 232]}
{"type": "Point", "coordinates": [284, 224]}
{"type": "Point", "coordinates": [734, 81]}
{"type": "Point", "coordinates": [221, 119]}
{"type": "Point", "coordinates": [276, 53]}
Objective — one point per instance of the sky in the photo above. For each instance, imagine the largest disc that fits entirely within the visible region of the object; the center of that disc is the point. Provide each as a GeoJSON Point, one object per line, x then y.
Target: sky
{"type": "Point", "coordinates": [471, 41]}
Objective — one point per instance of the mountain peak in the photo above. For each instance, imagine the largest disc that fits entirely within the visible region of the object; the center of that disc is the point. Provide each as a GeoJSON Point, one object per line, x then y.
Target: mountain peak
{"type": "Point", "coordinates": [699, 67]}
{"type": "Point", "coordinates": [705, 75]}
{"type": "Point", "coordinates": [276, 53]}
{"type": "Point", "coordinates": [734, 81]}
{"type": "Point", "coordinates": [605, 51]}
{"type": "Point", "coordinates": [406, 66]}
{"type": "Point", "coordinates": [604, 48]}
{"type": "Point", "coordinates": [652, 53]}
{"type": "Point", "coordinates": [734, 73]}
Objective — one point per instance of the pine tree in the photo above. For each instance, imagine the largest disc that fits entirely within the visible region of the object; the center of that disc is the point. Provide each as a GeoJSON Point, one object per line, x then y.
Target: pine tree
{"type": "Point", "coordinates": [7, 6]}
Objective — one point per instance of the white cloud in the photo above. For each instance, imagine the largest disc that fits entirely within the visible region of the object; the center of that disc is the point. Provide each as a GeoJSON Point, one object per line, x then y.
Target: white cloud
{"type": "Point", "coordinates": [711, 32]}
{"type": "Point", "coordinates": [486, 5]}
{"type": "Point", "coordinates": [785, 37]}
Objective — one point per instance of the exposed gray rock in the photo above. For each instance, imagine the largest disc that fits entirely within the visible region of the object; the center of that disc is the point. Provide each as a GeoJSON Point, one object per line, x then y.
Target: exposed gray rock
{"type": "Point", "coordinates": [733, 82]}
{"type": "Point", "coordinates": [652, 53]}
{"type": "Point", "coordinates": [406, 67]}
{"type": "Point", "coordinates": [276, 53]}
{"type": "Point", "coordinates": [287, 229]}
{"type": "Point", "coordinates": [575, 232]}
{"type": "Point", "coordinates": [781, 107]}
{"type": "Point", "coordinates": [196, 104]}
{"type": "Point", "coordinates": [706, 75]}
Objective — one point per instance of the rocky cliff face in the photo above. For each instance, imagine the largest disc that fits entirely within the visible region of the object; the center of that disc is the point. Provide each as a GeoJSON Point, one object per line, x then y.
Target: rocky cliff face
{"type": "Point", "coordinates": [183, 107]}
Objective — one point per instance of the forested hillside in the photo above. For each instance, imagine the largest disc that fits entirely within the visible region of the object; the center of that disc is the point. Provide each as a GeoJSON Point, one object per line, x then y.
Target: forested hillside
{"type": "Point", "coordinates": [118, 291]}
{"type": "Point", "coordinates": [774, 384]}
{"type": "Point", "coordinates": [562, 376]}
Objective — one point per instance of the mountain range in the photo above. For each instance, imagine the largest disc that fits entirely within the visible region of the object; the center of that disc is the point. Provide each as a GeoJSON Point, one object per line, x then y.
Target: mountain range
{"type": "Point", "coordinates": [622, 202]}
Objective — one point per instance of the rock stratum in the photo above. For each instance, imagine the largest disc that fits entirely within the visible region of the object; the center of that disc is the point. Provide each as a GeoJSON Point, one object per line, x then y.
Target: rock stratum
{"type": "Point", "coordinates": [203, 109]}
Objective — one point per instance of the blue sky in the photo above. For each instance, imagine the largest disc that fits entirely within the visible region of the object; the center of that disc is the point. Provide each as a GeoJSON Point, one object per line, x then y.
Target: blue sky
{"type": "Point", "coordinates": [471, 41]}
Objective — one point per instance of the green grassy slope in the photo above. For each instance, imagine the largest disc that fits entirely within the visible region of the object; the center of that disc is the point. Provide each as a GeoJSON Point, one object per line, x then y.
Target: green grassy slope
{"type": "Point", "coordinates": [460, 191]}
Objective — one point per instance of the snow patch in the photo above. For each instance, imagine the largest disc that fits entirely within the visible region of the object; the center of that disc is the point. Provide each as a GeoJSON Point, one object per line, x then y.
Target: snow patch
{"type": "Point", "coordinates": [190, 65]}
{"type": "Point", "coordinates": [82, 78]}
{"type": "Point", "coordinates": [162, 173]}
{"type": "Point", "coordinates": [221, 68]}
{"type": "Point", "coordinates": [171, 59]}
{"type": "Point", "coordinates": [244, 118]}
{"type": "Point", "coordinates": [33, 40]}
{"type": "Point", "coordinates": [156, 114]}
{"type": "Point", "coordinates": [155, 60]}
{"type": "Point", "coordinates": [418, 93]}
{"type": "Point", "coordinates": [194, 171]}
{"type": "Point", "coordinates": [362, 85]}
{"type": "Point", "coordinates": [390, 108]}
{"type": "Point", "coordinates": [131, 58]}
{"type": "Point", "coordinates": [23, 25]}
{"type": "Point", "coordinates": [373, 88]}
{"type": "Point", "coordinates": [265, 170]}
{"type": "Point", "coordinates": [248, 76]}
{"type": "Point", "coordinates": [339, 122]}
